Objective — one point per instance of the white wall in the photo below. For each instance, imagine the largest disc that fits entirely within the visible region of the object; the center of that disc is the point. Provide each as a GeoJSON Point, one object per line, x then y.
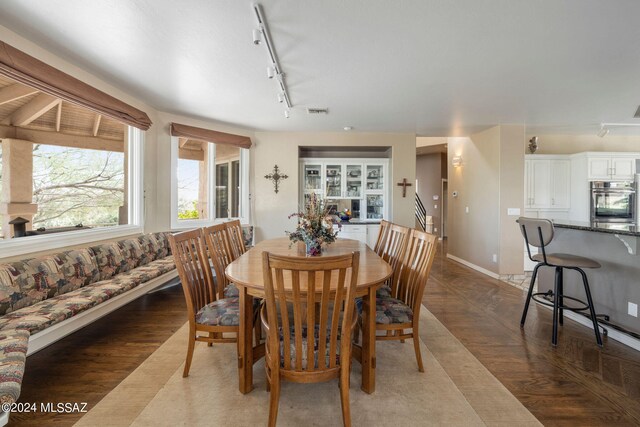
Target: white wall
{"type": "Point", "coordinates": [271, 210]}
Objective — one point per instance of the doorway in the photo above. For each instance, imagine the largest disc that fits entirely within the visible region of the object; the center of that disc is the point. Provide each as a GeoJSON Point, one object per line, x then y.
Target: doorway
{"type": "Point", "coordinates": [443, 205]}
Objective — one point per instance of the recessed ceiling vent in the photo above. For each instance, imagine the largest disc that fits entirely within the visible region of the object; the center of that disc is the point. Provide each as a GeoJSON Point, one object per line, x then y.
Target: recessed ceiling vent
{"type": "Point", "coordinates": [317, 111]}
{"type": "Point", "coordinates": [637, 115]}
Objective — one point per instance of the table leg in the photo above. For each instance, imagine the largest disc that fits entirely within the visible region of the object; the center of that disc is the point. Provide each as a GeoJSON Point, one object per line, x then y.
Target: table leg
{"type": "Point", "coordinates": [369, 342]}
{"type": "Point", "coordinates": [245, 342]}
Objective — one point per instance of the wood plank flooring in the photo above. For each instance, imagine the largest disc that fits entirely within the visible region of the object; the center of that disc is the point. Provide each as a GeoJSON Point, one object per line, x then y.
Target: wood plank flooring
{"type": "Point", "coordinates": [573, 384]}
{"type": "Point", "coordinates": [576, 383]}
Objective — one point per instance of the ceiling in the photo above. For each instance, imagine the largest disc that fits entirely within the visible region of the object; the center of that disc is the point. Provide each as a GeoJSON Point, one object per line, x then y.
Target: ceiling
{"type": "Point", "coordinates": [436, 68]}
{"type": "Point", "coordinates": [55, 115]}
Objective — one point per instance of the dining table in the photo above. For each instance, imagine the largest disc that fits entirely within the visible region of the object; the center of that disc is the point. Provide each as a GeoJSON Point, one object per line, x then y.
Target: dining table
{"type": "Point", "coordinates": [246, 273]}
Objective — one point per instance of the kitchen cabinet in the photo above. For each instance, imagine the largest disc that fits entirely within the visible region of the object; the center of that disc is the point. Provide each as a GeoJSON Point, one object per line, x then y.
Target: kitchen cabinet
{"type": "Point", "coordinates": [547, 183]}
{"type": "Point", "coordinates": [611, 168]}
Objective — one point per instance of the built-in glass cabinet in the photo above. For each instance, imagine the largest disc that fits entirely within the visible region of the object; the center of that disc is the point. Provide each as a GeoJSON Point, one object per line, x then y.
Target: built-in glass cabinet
{"type": "Point", "coordinates": [361, 180]}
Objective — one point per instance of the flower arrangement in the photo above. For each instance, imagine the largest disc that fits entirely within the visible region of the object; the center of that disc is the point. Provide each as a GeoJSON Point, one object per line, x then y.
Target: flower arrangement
{"type": "Point", "coordinates": [315, 226]}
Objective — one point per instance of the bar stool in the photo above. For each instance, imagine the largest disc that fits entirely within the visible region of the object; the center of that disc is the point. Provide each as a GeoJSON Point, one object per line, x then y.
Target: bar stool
{"type": "Point", "coordinates": [539, 233]}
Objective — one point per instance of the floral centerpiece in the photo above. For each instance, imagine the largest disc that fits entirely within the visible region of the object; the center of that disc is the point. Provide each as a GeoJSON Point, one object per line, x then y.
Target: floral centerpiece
{"type": "Point", "coordinates": [315, 226]}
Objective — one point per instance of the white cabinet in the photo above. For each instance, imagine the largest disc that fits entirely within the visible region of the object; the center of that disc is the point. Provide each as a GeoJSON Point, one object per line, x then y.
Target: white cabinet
{"type": "Point", "coordinates": [611, 167]}
{"type": "Point", "coordinates": [366, 180]}
{"type": "Point", "coordinates": [365, 233]}
{"type": "Point", "coordinates": [547, 183]}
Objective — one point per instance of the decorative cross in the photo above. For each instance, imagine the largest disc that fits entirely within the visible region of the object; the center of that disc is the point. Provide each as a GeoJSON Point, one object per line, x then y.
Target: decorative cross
{"type": "Point", "coordinates": [276, 176]}
{"type": "Point", "coordinates": [404, 184]}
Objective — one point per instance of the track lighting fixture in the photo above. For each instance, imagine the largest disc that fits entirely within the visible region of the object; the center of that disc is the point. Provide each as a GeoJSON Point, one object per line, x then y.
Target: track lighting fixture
{"type": "Point", "coordinates": [606, 127]}
{"type": "Point", "coordinates": [261, 35]}
{"type": "Point", "coordinates": [286, 113]}
{"type": "Point", "coordinates": [603, 132]}
{"type": "Point", "coordinates": [257, 35]}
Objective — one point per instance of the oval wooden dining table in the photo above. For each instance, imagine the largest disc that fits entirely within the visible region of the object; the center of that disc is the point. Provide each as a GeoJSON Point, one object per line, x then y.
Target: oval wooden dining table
{"type": "Point", "coordinates": [246, 273]}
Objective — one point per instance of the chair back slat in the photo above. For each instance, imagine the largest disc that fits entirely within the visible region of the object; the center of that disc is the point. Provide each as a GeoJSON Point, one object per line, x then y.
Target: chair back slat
{"type": "Point", "coordinates": [321, 295]}
{"type": "Point", "coordinates": [217, 243]}
{"type": "Point", "coordinates": [415, 268]}
{"type": "Point", "coordinates": [396, 243]}
{"type": "Point", "coordinates": [236, 238]}
{"type": "Point", "coordinates": [382, 237]}
{"type": "Point", "coordinates": [188, 249]}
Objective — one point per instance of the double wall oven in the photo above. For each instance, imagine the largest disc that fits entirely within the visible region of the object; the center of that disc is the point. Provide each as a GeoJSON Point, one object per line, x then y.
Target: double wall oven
{"type": "Point", "coordinates": [613, 201]}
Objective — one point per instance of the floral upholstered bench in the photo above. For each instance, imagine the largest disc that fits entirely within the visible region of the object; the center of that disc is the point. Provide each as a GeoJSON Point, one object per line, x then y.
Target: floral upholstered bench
{"type": "Point", "coordinates": [44, 299]}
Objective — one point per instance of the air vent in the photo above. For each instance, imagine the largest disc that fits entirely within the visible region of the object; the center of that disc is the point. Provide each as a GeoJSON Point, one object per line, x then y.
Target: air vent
{"type": "Point", "coordinates": [317, 111]}
{"type": "Point", "coordinates": [637, 115]}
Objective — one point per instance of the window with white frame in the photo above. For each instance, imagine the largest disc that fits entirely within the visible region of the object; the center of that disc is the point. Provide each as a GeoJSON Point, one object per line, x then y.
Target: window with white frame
{"type": "Point", "coordinates": [210, 182]}
{"type": "Point", "coordinates": [78, 193]}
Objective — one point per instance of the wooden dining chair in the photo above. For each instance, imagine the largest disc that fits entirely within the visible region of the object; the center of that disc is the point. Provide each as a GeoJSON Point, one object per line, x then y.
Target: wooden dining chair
{"type": "Point", "coordinates": [207, 314]}
{"type": "Point", "coordinates": [395, 244]}
{"type": "Point", "coordinates": [309, 308]}
{"type": "Point", "coordinates": [221, 255]}
{"type": "Point", "coordinates": [236, 238]}
{"type": "Point", "coordinates": [400, 311]}
{"type": "Point", "coordinates": [382, 237]}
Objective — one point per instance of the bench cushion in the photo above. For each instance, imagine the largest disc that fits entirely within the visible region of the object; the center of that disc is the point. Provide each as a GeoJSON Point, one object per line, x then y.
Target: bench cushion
{"type": "Point", "coordinates": [26, 282]}
{"type": "Point", "coordinates": [110, 259]}
{"type": "Point", "coordinates": [132, 253]}
{"type": "Point", "coordinates": [78, 268]}
{"type": "Point", "coordinates": [13, 354]}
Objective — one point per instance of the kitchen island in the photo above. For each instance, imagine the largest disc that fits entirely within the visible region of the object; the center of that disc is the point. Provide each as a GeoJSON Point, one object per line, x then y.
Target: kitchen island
{"type": "Point", "coordinates": [615, 284]}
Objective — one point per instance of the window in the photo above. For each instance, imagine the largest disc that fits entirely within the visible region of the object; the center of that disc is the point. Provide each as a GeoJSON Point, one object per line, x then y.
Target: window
{"type": "Point", "coordinates": [210, 182]}
{"type": "Point", "coordinates": [78, 195]}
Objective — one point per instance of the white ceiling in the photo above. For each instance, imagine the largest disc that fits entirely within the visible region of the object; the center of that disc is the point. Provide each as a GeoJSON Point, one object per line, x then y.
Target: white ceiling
{"type": "Point", "coordinates": [427, 66]}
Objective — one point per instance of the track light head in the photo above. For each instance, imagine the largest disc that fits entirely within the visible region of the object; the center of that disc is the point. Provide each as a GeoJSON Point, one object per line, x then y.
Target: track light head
{"type": "Point", "coordinates": [257, 36]}
{"type": "Point", "coordinates": [271, 71]}
{"type": "Point", "coordinates": [286, 114]}
{"type": "Point", "coordinates": [280, 97]}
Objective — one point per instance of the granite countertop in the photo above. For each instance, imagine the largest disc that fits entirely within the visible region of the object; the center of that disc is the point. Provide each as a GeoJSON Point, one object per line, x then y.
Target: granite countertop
{"type": "Point", "coordinates": [600, 227]}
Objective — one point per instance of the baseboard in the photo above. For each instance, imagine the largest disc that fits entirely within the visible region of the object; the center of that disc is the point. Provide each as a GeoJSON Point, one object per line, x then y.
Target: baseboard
{"type": "Point", "coordinates": [612, 333]}
{"type": "Point", "coordinates": [60, 330]}
{"type": "Point", "coordinates": [475, 267]}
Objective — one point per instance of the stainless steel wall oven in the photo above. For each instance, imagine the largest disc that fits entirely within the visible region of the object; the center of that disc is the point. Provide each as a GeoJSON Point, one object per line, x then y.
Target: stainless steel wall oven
{"type": "Point", "coordinates": [613, 201]}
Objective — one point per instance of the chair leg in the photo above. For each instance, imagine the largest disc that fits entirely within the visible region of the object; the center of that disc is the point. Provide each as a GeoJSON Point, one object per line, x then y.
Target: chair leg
{"type": "Point", "coordinates": [592, 309]}
{"type": "Point", "coordinates": [554, 336]}
{"type": "Point", "coordinates": [344, 395]}
{"type": "Point", "coordinates": [191, 345]}
{"type": "Point", "coordinates": [416, 346]}
{"type": "Point", "coordinates": [561, 300]}
{"type": "Point", "coordinates": [274, 398]}
{"type": "Point", "coordinates": [211, 335]}
{"type": "Point", "coordinates": [526, 304]}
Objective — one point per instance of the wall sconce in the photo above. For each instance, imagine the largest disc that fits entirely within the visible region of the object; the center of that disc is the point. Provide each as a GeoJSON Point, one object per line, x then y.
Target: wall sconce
{"type": "Point", "coordinates": [456, 161]}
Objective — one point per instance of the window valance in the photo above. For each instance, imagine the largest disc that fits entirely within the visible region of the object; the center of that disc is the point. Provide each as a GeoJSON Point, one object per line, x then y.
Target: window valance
{"type": "Point", "coordinates": [32, 72]}
{"type": "Point", "coordinates": [192, 132]}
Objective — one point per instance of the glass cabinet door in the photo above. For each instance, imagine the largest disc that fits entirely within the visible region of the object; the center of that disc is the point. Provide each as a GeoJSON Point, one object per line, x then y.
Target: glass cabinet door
{"type": "Point", "coordinates": [333, 180]}
{"type": "Point", "coordinates": [354, 181]}
{"type": "Point", "coordinates": [375, 177]}
{"type": "Point", "coordinates": [312, 179]}
{"type": "Point", "coordinates": [375, 207]}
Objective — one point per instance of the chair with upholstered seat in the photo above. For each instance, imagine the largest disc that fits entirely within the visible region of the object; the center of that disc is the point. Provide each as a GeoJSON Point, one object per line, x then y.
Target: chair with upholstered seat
{"type": "Point", "coordinates": [309, 318]}
{"type": "Point", "coordinates": [539, 233]}
{"type": "Point", "coordinates": [400, 311]}
{"type": "Point", "coordinates": [207, 314]}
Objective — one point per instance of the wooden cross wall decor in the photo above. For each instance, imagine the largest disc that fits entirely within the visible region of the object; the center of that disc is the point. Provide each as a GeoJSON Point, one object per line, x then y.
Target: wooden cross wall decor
{"type": "Point", "coordinates": [276, 176]}
{"type": "Point", "coordinates": [404, 184]}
